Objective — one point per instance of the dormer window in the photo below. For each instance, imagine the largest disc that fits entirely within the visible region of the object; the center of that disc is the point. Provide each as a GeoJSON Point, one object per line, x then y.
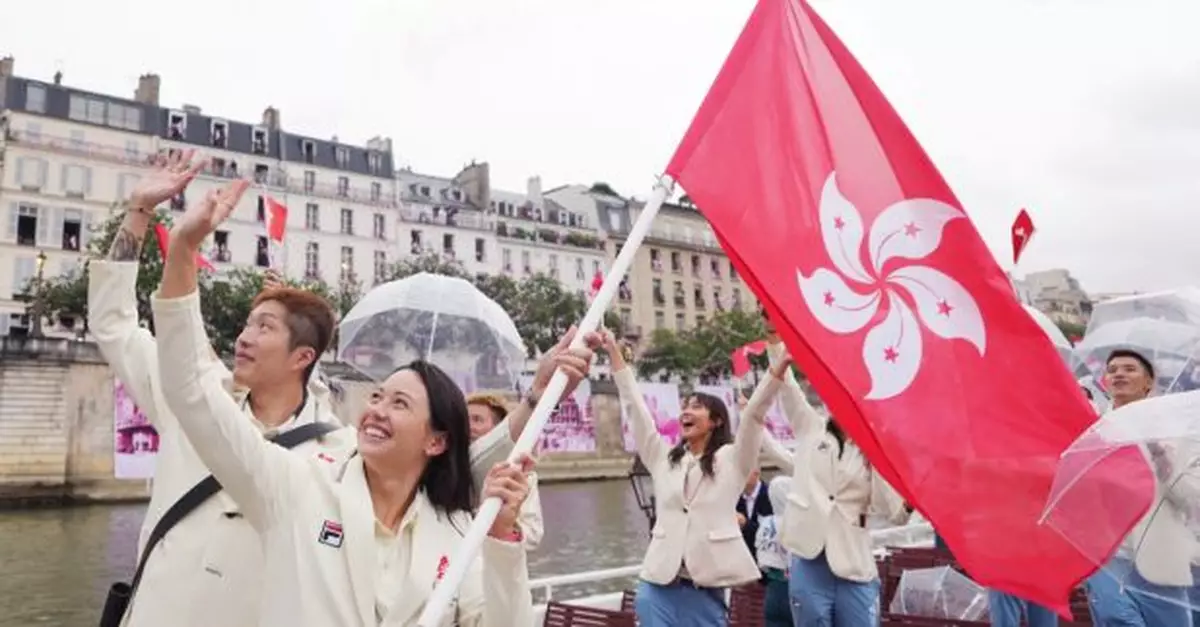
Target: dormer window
{"type": "Point", "coordinates": [177, 125]}
{"type": "Point", "coordinates": [219, 134]}
{"type": "Point", "coordinates": [258, 141]}
{"type": "Point", "coordinates": [373, 162]}
{"type": "Point", "coordinates": [342, 155]}
{"type": "Point", "coordinates": [309, 150]}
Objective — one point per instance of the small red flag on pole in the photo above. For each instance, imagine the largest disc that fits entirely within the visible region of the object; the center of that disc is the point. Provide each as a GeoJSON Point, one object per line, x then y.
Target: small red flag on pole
{"type": "Point", "coordinates": [1022, 232]}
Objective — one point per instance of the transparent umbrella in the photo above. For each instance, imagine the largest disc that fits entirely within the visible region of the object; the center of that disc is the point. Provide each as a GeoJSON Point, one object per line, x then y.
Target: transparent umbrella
{"type": "Point", "coordinates": [1164, 327]}
{"type": "Point", "coordinates": [1126, 494]}
{"type": "Point", "coordinates": [443, 320]}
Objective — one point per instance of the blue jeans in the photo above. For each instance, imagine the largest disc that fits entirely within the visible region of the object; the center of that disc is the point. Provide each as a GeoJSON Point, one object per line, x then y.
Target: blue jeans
{"type": "Point", "coordinates": [1139, 603]}
{"type": "Point", "coordinates": [679, 605]}
{"type": "Point", "coordinates": [1007, 610]}
{"type": "Point", "coordinates": [822, 599]}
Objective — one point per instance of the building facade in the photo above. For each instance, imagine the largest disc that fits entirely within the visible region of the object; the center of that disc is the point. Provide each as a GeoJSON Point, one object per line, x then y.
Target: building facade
{"type": "Point", "coordinates": [537, 234]}
{"type": "Point", "coordinates": [448, 216]}
{"type": "Point", "coordinates": [1060, 296]}
{"type": "Point", "coordinates": [67, 156]}
{"type": "Point", "coordinates": [681, 276]}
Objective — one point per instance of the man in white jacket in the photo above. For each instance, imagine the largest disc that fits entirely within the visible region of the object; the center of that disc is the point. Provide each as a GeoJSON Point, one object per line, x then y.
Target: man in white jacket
{"type": "Point", "coordinates": [487, 411]}
{"type": "Point", "coordinates": [1147, 583]}
{"type": "Point", "coordinates": [208, 569]}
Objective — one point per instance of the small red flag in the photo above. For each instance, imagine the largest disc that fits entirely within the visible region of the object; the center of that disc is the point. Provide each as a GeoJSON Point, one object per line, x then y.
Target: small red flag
{"type": "Point", "coordinates": [892, 305]}
{"type": "Point", "coordinates": [276, 219]}
{"type": "Point", "coordinates": [164, 239]}
{"type": "Point", "coordinates": [740, 357]}
{"type": "Point", "coordinates": [1022, 232]}
{"type": "Point", "coordinates": [597, 283]}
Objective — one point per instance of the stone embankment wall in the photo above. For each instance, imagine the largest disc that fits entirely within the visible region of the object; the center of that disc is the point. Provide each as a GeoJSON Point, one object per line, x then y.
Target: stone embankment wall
{"type": "Point", "coordinates": [56, 426]}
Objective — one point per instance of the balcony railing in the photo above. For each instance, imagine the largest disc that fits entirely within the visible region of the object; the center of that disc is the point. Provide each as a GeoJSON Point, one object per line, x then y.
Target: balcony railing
{"type": "Point", "coordinates": [341, 192]}
{"type": "Point", "coordinates": [462, 219]}
{"type": "Point", "coordinates": [88, 150]}
{"type": "Point", "coordinates": [550, 236]}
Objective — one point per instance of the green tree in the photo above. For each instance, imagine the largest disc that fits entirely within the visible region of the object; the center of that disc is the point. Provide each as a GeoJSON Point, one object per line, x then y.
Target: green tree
{"type": "Point", "coordinates": [430, 262]}
{"type": "Point", "coordinates": [702, 351]}
{"type": "Point", "coordinates": [1070, 330]}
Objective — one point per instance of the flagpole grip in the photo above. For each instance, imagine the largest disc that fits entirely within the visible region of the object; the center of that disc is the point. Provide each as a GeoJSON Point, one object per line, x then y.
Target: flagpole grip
{"type": "Point", "coordinates": [473, 540]}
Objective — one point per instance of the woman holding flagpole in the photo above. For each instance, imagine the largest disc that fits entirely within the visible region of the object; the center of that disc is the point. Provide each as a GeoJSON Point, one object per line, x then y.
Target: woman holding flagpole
{"type": "Point", "coordinates": [696, 549]}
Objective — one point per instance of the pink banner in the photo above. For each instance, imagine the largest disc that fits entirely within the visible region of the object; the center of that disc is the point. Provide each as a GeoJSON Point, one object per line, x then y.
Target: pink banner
{"type": "Point", "coordinates": [135, 441]}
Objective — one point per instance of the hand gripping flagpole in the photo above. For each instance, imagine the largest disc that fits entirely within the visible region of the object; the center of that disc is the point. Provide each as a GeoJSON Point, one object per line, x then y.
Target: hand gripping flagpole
{"type": "Point", "coordinates": [446, 589]}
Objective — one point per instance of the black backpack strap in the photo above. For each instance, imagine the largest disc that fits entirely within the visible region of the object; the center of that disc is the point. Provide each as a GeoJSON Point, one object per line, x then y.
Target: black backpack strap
{"type": "Point", "coordinates": [209, 486]}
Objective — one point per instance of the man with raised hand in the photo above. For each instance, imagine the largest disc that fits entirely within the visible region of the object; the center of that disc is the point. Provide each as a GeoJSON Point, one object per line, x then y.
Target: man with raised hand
{"type": "Point", "coordinates": [205, 569]}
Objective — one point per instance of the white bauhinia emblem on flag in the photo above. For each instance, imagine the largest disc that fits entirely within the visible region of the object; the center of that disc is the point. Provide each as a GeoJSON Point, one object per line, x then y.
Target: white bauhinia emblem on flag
{"type": "Point", "coordinates": [909, 229]}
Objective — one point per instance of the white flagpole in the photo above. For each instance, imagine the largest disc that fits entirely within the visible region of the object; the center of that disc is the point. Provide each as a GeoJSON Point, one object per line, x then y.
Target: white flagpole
{"type": "Point", "coordinates": [446, 589]}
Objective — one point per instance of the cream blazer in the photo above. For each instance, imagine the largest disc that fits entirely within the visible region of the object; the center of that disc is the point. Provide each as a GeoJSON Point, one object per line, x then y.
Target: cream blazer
{"type": "Point", "coordinates": [533, 527]}
{"type": "Point", "coordinates": [701, 535]}
{"type": "Point", "coordinates": [829, 496]}
{"type": "Point", "coordinates": [316, 519]}
{"type": "Point", "coordinates": [208, 570]}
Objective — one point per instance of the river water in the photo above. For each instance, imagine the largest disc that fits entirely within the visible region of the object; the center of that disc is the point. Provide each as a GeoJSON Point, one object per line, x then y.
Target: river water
{"type": "Point", "coordinates": [58, 563]}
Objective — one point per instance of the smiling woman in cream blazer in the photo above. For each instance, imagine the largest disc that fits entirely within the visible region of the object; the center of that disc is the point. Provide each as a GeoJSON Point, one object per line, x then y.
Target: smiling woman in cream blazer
{"type": "Point", "coordinates": [696, 549]}
{"type": "Point", "coordinates": [833, 579]}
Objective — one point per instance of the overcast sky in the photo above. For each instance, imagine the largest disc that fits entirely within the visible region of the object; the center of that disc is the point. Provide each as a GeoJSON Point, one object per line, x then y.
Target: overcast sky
{"type": "Point", "coordinates": [1085, 111]}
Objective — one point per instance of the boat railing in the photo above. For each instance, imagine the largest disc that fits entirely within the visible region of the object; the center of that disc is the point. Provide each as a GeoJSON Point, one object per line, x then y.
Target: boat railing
{"type": "Point", "coordinates": [920, 534]}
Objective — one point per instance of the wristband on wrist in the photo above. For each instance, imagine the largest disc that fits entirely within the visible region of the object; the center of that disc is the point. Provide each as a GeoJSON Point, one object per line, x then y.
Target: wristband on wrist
{"type": "Point", "coordinates": [129, 207]}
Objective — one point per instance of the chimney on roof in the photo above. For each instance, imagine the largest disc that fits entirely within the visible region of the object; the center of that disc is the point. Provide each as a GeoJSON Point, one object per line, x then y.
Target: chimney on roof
{"type": "Point", "coordinates": [270, 118]}
{"type": "Point", "coordinates": [147, 89]}
{"type": "Point", "coordinates": [533, 190]}
{"type": "Point", "coordinates": [382, 144]}
{"type": "Point", "coordinates": [6, 66]}
{"type": "Point", "coordinates": [475, 180]}
{"type": "Point", "coordinates": [58, 77]}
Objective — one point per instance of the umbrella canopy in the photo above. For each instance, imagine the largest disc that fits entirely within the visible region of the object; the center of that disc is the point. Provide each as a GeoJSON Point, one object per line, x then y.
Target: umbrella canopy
{"type": "Point", "coordinates": [1156, 445]}
{"type": "Point", "coordinates": [1164, 327]}
{"type": "Point", "coordinates": [441, 319]}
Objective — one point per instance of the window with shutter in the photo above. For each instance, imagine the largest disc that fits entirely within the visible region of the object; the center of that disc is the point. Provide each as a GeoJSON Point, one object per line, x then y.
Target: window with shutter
{"type": "Point", "coordinates": [4, 318]}
{"type": "Point", "coordinates": [14, 216]}
{"type": "Point", "coordinates": [22, 272]}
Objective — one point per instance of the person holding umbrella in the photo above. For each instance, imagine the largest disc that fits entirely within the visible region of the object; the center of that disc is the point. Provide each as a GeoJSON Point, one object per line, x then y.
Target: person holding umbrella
{"type": "Point", "coordinates": [1146, 584]}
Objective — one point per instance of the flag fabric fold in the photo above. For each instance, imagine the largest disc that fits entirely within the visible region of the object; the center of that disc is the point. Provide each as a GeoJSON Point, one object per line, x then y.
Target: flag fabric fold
{"type": "Point", "coordinates": [889, 301]}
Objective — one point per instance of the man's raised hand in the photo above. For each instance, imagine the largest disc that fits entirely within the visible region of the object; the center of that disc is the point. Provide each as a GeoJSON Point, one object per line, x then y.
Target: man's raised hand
{"type": "Point", "coordinates": [202, 218]}
{"type": "Point", "coordinates": [171, 174]}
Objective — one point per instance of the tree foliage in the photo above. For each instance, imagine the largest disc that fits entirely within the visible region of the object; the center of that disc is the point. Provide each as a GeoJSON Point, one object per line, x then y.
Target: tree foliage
{"type": "Point", "coordinates": [702, 352]}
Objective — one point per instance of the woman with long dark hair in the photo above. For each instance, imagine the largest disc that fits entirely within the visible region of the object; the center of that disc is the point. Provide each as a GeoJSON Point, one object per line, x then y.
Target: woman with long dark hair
{"type": "Point", "coordinates": [696, 549]}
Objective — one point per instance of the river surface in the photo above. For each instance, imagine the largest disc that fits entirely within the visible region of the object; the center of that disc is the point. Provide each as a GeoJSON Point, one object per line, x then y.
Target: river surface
{"type": "Point", "coordinates": [56, 564]}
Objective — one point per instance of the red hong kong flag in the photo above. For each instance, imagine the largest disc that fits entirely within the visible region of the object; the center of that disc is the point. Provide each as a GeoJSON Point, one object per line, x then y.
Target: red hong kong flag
{"type": "Point", "coordinates": [740, 357]}
{"type": "Point", "coordinates": [890, 302]}
{"type": "Point", "coordinates": [276, 220]}
{"type": "Point", "coordinates": [1022, 232]}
